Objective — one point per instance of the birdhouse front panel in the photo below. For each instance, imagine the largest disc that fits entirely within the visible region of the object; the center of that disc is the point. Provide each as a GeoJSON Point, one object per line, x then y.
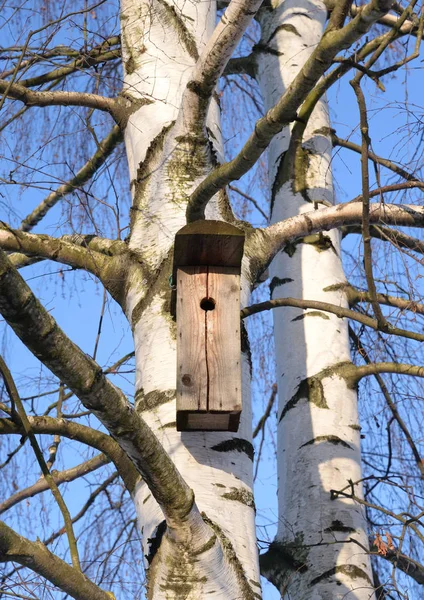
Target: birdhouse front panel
{"type": "Point", "coordinates": [208, 348]}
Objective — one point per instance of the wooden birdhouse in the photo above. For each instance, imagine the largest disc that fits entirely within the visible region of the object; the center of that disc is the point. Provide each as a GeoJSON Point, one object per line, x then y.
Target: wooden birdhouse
{"type": "Point", "coordinates": [207, 265]}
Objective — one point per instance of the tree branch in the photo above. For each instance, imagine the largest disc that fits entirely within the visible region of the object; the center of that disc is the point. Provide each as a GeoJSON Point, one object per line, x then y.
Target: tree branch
{"type": "Point", "coordinates": [390, 403]}
{"type": "Point", "coordinates": [65, 476]}
{"type": "Point", "coordinates": [263, 244]}
{"type": "Point", "coordinates": [59, 250]}
{"type": "Point", "coordinates": [81, 60]}
{"type": "Point", "coordinates": [38, 558]}
{"type": "Point", "coordinates": [212, 61]}
{"type": "Point", "coordinates": [99, 54]}
{"type": "Point", "coordinates": [261, 423]}
{"type": "Point", "coordinates": [19, 92]}
{"type": "Point", "coordinates": [241, 65]}
{"type": "Point", "coordinates": [366, 237]}
{"type": "Point", "coordinates": [356, 373]}
{"type": "Point", "coordinates": [336, 141]}
{"type": "Point", "coordinates": [406, 564]}
{"type": "Point", "coordinates": [397, 238]}
{"type": "Point", "coordinates": [285, 111]}
{"type": "Point", "coordinates": [104, 150]}
{"type": "Point", "coordinates": [355, 296]}
{"type": "Point", "coordinates": [409, 26]}
{"type": "Point", "coordinates": [404, 27]}
{"type": "Point", "coordinates": [17, 404]}
{"type": "Point", "coordinates": [37, 329]}
{"type": "Point", "coordinates": [83, 434]}
{"type": "Point", "coordinates": [339, 311]}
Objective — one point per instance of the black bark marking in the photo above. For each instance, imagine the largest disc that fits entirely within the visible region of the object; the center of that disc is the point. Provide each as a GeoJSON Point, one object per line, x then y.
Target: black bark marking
{"type": "Point", "coordinates": [355, 427]}
{"type": "Point", "coordinates": [320, 242]}
{"type": "Point", "coordinates": [266, 50]}
{"type": "Point", "coordinates": [207, 546]}
{"type": "Point", "coordinates": [155, 541]}
{"type": "Point", "coordinates": [233, 560]}
{"type": "Point", "coordinates": [197, 89]}
{"type": "Point", "coordinates": [174, 19]}
{"type": "Point", "coordinates": [290, 249]}
{"type": "Point", "coordinates": [338, 526]}
{"type": "Point", "coordinates": [245, 345]}
{"type": "Point", "coordinates": [283, 559]}
{"type": "Point", "coordinates": [284, 27]}
{"type": "Point", "coordinates": [153, 399]}
{"type": "Point", "coordinates": [171, 425]}
{"type": "Point", "coordinates": [311, 390]}
{"type": "Point", "coordinates": [349, 570]}
{"type": "Point", "coordinates": [331, 439]}
{"type": "Point", "coordinates": [235, 445]}
{"type": "Point", "coordinates": [301, 14]}
{"type": "Point", "coordinates": [276, 282]}
{"type": "Point", "coordinates": [279, 179]}
{"type": "Point", "coordinates": [147, 168]}
{"type": "Point", "coordinates": [312, 313]}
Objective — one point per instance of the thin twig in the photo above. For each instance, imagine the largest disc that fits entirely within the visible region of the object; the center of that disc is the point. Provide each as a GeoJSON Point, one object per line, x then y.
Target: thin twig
{"type": "Point", "coordinates": [13, 393]}
{"type": "Point", "coordinates": [390, 403]}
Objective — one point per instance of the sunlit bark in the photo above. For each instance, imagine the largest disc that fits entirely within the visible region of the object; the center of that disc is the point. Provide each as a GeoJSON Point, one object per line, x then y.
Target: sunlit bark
{"type": "Point", "coordinates": [210, 557]}
{"type": "Point", "coordinates": [318, 431]}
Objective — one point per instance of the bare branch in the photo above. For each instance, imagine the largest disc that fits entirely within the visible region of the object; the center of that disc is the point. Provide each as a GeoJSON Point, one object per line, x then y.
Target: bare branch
{"type": "Point", "coordinates": [100, 54]}
{"type": "Point", "coordinates": [16, 91]}
{"type": "Point", "coordinates": [213, 60]}
{"type": "Point", "coordinates": [263, 419]}
{"type": "Point", "coordinates": [366, 237]}
{"type": "Point", "coordinates": [263, 244]}
{"type": "Point", "coordinates": [285, 111]}
{"type": "Point", "coordinates": [406, 564]}
{"type": "Point", "coordinates": [250, 199]}
{"type": "Point", "coordinates": [390, 403]}
{"type": "Point", "coordinates": [397, 238]}
{"type": "Point", "coordinates": [356, 373]}
{"type": "Point", "coordinates": [36, 556]}
{"type": "Point", "coordinates": [336, 141]}
{"type": "Point", "coordinates": [404, 27]}
{"type": "Point", "coordinates": [85, 435]}
{"type": "Point", "coordinates": [59, 477]}
{"type": "Point", "coordinates": [355, 296]}
{"type": "Point", "coordinates": [339, 311]}
{"type": "Point", "coordinates": [408, 26]}
{"type": "Point", "coordinates": [104, 150]}
{"type": "Point", "coordinates": [17, 404]}
{"type": "Point", "coordinates": [81, 60]}
{"type": "Point", "coordinates": [40, 333]}
{"type": "Point", "coordinates": [59, 250]}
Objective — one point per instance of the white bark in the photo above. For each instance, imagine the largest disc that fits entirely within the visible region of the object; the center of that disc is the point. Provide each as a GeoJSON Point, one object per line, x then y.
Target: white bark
{"type": "Point", "coordinates": [222, 485]}
{"type": "Point", "coordinates": [160, 45]}
{"type": "Point", "coordinates": [318, 433]}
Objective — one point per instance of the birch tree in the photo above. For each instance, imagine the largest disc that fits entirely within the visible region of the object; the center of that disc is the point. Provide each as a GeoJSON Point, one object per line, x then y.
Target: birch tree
{"type": "Point", "coordinates": [144, 82]}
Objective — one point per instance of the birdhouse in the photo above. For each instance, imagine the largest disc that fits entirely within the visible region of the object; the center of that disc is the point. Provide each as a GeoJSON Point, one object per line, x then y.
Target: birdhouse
{"type": "Point", "coordinates": [206, 272]}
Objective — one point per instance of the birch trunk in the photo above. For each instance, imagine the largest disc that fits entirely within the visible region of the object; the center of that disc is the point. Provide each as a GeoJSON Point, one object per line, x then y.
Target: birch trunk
{"type": "Point", "coordinates": [213, 555]}
{"type": "Point", "coordinates": [318, 431]}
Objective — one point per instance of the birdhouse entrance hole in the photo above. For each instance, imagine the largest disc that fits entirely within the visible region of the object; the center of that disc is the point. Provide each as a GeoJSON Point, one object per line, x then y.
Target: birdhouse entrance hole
{"type": "Point", "coordinates": [207, 304]}
{"type": "Point", "coordinates": [207, 264]}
